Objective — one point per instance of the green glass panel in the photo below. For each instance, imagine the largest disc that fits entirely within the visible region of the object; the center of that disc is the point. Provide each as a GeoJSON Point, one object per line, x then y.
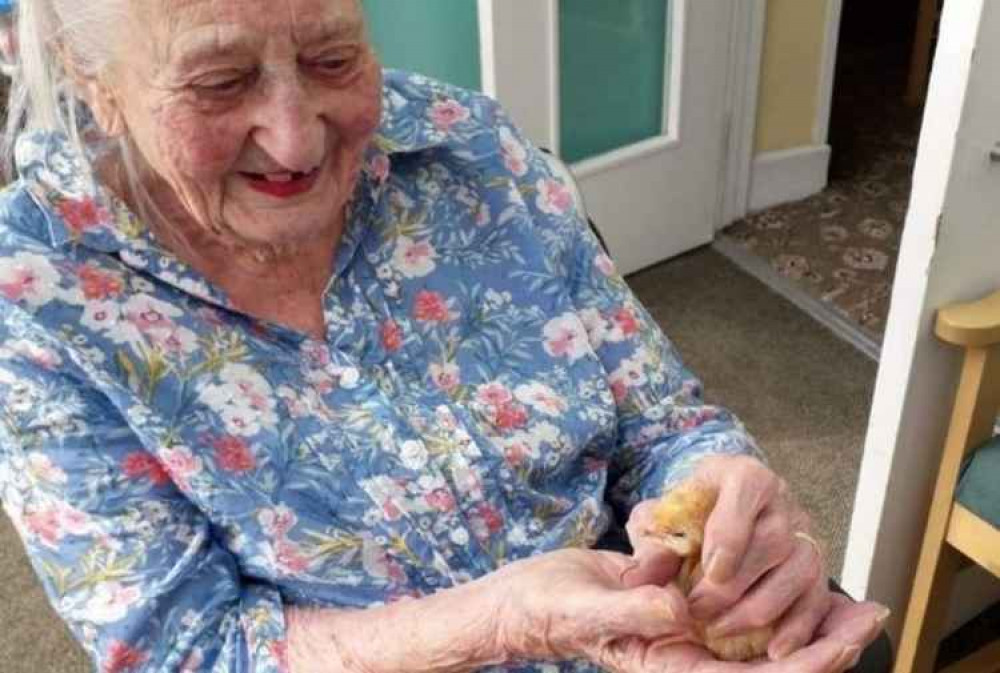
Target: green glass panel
{"type": "Point", "coordinates": [613, 63]}
{"type": "Point", "coordinates": [438, 38]}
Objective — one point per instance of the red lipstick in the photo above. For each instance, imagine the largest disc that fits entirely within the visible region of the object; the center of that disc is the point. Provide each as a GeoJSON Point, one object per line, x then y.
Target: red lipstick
{"type": "Point", "coordinates": [285, 187]}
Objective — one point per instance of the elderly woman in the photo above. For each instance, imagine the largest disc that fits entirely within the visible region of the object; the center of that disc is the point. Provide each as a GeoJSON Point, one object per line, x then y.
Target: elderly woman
{"type": "Point", "coordinates": [310, 367]}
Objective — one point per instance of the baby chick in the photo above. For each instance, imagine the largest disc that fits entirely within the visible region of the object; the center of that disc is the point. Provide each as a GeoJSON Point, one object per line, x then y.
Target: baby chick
{"type": "Point", "coordinates": [679, 520]}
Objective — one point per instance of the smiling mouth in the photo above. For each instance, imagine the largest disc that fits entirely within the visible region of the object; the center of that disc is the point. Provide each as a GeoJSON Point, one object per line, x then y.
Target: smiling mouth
{"type": "Point", "coordinates": [285, 184]}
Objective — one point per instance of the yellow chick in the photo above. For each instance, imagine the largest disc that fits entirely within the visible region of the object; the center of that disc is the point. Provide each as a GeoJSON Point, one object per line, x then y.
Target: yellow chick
{"type": "Point", "coordinates": [679, 520]}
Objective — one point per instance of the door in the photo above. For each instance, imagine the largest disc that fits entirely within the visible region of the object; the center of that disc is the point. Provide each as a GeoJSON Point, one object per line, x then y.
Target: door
{"type": "Point", "coordinates": [632, 94]}
{"type": "Point", "coordinates": [948, 254]}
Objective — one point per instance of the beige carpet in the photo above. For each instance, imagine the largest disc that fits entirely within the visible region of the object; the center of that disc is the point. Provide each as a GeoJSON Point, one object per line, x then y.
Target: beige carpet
{"type": "Point", "coordinates": [802, 392]}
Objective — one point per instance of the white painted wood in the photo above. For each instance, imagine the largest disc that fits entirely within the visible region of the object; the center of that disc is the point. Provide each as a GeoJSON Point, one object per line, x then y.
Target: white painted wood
{"type": "Point", "coordinates": [831, 43]}
{"type": "Point", "coordinates": [522, 62]}
{"type": "Point", "coordinates": [788, 175]}
{"type": "Point", "coordinates": [948, 254]}
{"type": "Point", "coordinates": [750, 19]}
{"type": "Point", "coordinates": [657, 198]}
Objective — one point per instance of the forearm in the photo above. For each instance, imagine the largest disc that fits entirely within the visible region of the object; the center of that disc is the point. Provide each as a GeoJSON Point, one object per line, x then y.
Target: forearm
{"type": "Point", "coordinates": [452, 631]}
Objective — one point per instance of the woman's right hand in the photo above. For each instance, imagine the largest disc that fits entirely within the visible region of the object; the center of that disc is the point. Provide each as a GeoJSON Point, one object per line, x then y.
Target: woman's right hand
{"type": "Point", "coordinates": [582, 604]}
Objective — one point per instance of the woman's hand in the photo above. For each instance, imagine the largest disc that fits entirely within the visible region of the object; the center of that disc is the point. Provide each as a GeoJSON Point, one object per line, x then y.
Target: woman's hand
{"type": "Point", "coordinates": [842, 636]}
{"type": "Point", "coordinates": [761, 566]}
{"type": "Point", "coordinates": [575, 604]}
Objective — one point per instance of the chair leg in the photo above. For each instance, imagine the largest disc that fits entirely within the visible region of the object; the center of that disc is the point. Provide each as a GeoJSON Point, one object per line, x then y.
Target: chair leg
{"type": "Point", "coordinates": [928, 608]}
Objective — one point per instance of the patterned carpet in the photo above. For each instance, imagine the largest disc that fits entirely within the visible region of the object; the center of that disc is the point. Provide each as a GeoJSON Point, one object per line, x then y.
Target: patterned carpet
{"type": "Point", "coordinates": [841, 245]}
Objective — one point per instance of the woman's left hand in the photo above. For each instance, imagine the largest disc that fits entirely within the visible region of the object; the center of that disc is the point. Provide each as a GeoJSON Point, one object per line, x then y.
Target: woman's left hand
{"type": "Point", "coordinates": [761, 566]}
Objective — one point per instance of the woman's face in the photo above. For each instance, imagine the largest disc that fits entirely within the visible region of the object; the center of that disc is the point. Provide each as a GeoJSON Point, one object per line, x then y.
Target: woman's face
{"type": "Point", "coordinates": [254, 113]}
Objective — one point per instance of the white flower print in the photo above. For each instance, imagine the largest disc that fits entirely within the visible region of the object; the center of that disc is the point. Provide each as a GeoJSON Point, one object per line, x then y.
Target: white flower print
{"type": "Point", "coordinates": [514, 154]}
{"type": "Point", "coordinates": [541, 397]}
{"type": "Point", "coordinates": [110, 603]}
{"type": "Point", "coordinates": [28, 278]}
{"type": "Point", "coordinates": [446, 376]}
{"type": "Point", "coordinates": [181, 464]}
{"type": "Point", "coordinates": [414, 259]}
{"type": "Point", "coordinates": [38, 355]}
{"type": "Point", "coordinates": [41, 467]}
{"type": "Point", "coordinates": [565, 337]}
{"type": "Point", "coordinates": [243, 399]}
{"type": "Point", "coordinates": [413, 454]}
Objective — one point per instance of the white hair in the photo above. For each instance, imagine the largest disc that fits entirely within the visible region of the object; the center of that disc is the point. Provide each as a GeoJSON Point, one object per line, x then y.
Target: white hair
{"type": "Point", "coordinates": [58, 39]}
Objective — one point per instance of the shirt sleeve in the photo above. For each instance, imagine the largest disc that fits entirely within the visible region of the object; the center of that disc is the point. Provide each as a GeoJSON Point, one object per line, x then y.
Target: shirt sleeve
{"type": "Point", "coordinates": [130, 564]}
{"type": "Point", "coordinates": [664, 425]}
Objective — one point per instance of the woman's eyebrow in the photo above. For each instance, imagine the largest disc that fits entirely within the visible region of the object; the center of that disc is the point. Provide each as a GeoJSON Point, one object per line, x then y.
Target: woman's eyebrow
{"type": "Point", "coordinates": [341, 28]}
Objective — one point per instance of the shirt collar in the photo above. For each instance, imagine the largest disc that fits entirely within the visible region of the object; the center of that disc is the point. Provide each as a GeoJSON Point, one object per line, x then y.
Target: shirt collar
{"type": "Point", "coordinates": [79, 210]}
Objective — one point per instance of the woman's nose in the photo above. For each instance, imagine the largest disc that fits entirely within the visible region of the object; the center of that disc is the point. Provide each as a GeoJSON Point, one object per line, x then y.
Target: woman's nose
{"type": "Point", "coordinates": [289, 127]}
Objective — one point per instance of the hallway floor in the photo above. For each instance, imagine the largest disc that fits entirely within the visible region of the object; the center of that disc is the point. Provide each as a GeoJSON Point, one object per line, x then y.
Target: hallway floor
{"type": "Point", "coordinates": [841, 245]}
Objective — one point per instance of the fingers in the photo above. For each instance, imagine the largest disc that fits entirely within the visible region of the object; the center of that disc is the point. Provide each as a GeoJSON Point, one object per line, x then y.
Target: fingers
{"type": "Point", "coordinates": [771, 544]}
{"type": "Point", "coordinates": [650, 612]}
{"type": "Point", "coordinates": [853, 624]}
{"type": "Point", "coordinates": [654, 563]}
{"type": "Point", "coordinates": [798, 627]}
{"type": "Point", "coordinates": [824, 657]}
{"type": "Point", "coordinates": [775, 593]}
{"type": "Point", "coordinates": [746, 488]}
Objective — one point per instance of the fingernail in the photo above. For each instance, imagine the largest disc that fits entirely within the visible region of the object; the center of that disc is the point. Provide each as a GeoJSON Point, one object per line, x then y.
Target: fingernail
{"type": "Point", "coordinates": [849, 658]}
{"type": "Point", "coordinates": [781, 650]}
{"type": "Point", "coordinates": [883, 616]}
{"type": "Point", "coordinates": [721, 566]}
{"type": "Point", "coordinates": [721, 629]}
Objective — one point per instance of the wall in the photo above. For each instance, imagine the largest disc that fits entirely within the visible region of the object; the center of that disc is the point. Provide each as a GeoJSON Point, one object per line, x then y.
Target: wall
{"type": "Point", "coordinates": [791, 155]}
{"type": "Point", "coordinates": [791, 74]}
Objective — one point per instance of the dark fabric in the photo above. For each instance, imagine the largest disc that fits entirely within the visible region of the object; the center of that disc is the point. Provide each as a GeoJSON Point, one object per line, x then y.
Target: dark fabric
{"type": "Point", "coordinates": [979, 486]}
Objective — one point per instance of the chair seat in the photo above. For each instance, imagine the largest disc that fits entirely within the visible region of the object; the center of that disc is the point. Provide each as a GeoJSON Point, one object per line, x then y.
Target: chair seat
{"type": "Point", "coordinates": [979, 486]}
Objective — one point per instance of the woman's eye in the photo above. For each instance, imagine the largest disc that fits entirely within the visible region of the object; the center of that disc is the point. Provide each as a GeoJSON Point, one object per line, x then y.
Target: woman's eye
{"type": "Point", "coordinates": [223, 86]}
{"type": "Point", "coordinates": [333, 65]}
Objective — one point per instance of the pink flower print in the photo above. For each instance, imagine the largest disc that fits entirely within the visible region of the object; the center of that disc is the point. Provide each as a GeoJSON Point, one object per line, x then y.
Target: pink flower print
{"type": "Point", "coordinates": [44, 524]}
{"type": "Point", "coordinates": [510, 417]}
{"type": "Point", "coordinates": [99, 285]}
{"type": "Point", "coordinates": [431, 307]}
{"type": "Point", "coordinates": [392, 336]}
{"type": "Point", "coordinates": [290, 559]}
{"type": "Point", "coordinates": [147, 313]}
{"type": "Point", "coordinates": [233, 455]}
{"type": "Point", "coordinates": [619, 389]}
{"type": "Point", "coordinates": [82, 214]}
{"type": "Point", "coordinates": [141, 465]}
{"type": "Point", "coordinates": [180, 464]}
{"type": "Point", "coordinates": [605, 265]}
{"type": "Point", "coordinates": [414, 259]}
{"type": "Point", "coordinates": [554, 198]}
{"type": "Point", "coordinates": [43, 357]}
{"type": "Point", "coordinates": [446, 376]}
{"type": "Point", "coordinates": [73, 520]}
{"type": "Point", "coordinates": [494, 394]}
{"type": "Point", "coordinates": [29, 278]}
{"type": "Point", "coordinates": [514, 154]}
{"type": "Point", "coordinates": [542, 398]}
{"type": "Point", "coordinates": [447, 113]}
{"type": "Point", "coordinates": [626, 321]}
{"type": "Point", "coordinates": [490, 516]}
{"type": "Point", "coordinates": [121, 658]}
{"type": "Point", "coordinates": [278, 521]}
{"type": "Point", "coordinates": [390, 511]}
{"type": "Point", "coordinates": [516, 454]}
{"type": "Point", "coordinates": [565, 337]}
{"type": "Point", "coordinates": [380, 166]}
{"type": "Point", "coordinates": [441, 500]}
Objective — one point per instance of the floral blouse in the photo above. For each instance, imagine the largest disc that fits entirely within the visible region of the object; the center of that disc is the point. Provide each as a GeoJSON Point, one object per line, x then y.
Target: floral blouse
{"type": "Point", "coordinates": [488, 389]}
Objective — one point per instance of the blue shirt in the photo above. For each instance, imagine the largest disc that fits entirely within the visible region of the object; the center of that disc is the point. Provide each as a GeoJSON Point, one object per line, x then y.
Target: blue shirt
{"type": "Point", "coordinates": [489, 389]}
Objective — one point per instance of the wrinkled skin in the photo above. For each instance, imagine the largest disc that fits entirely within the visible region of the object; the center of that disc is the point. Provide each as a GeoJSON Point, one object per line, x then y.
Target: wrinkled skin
{"type": "Point", "coordinates": [758, 572]}
{"type": "Point", "coordinates": [213, 93]}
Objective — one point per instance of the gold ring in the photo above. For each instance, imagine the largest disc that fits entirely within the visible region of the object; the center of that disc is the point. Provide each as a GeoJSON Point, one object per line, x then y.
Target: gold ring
{"type": "Point", "coordinates": [811, 540]}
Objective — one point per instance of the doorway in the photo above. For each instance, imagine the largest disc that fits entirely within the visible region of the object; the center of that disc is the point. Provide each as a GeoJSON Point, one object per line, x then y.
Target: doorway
{"type": "Point", "coordinates": [837, 250]}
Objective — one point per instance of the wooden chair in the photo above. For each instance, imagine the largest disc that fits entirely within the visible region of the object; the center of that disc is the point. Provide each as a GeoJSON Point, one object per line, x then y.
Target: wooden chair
{"type": "Point", "coordinates": [955, 536]}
